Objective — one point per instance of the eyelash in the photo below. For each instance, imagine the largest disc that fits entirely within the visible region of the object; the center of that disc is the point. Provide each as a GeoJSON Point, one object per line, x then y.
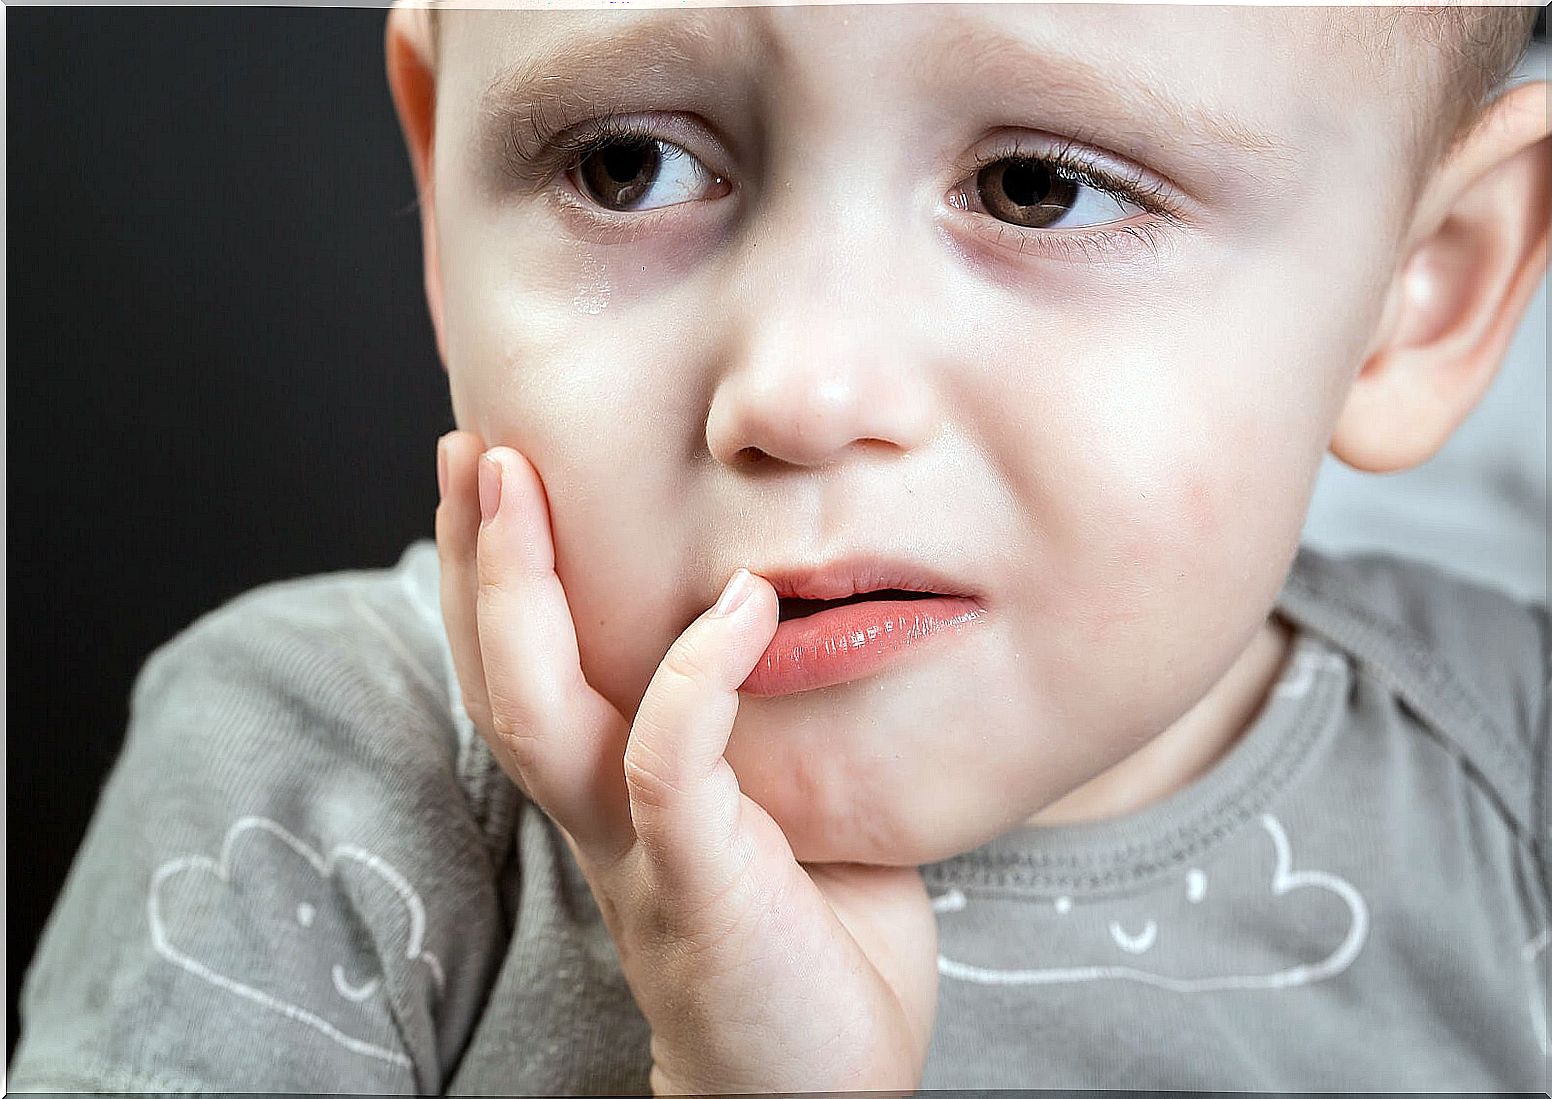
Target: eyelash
{"type": "Point", "coordinates": [1131, 185]}
{"type": "Point", "coordinates": [1154, 196]}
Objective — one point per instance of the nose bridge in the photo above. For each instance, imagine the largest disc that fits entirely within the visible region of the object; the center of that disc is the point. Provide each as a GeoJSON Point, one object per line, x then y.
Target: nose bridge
{"type": "Point", "coordinates": [819, 353]}
{"type": "Point", "coordinates": [815, 248]}
{"type": "Point", "coordinates": [828, 229]}
{"type": "Point", "coordinates": [806, 287]}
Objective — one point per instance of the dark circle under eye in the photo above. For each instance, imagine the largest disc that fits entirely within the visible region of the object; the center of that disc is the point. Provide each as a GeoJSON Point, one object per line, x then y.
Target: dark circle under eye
{"type": "Point", "coordinates": [621, 171]}
{"type": "Point", "coordinates": [1025, 192]}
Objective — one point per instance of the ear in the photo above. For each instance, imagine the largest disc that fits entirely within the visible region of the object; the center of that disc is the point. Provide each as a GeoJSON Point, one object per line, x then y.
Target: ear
{"type": "Point", "coordinates": [1477, 252]}
{"type": "Point", "coordinates": [412, 79]}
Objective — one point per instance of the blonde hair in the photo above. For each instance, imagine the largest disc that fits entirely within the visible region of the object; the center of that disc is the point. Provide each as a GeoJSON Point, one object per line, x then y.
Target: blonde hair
{"type": "Point", "coordinates": [1468, 52]}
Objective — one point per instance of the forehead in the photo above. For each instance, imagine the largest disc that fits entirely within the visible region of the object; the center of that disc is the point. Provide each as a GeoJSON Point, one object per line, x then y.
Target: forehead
{"type": "Point", "coordinates": [1263, 83]}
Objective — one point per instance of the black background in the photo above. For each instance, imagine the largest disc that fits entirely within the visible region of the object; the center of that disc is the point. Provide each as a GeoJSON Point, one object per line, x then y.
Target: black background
{"type": "Point", "coordinates": [221, 367]}
{"type": "Point", "coordinates": [221, 370]}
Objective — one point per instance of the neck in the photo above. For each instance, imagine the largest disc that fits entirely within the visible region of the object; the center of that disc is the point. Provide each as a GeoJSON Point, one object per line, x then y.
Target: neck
{"type": "Point", "coordinates": [1188, 748]}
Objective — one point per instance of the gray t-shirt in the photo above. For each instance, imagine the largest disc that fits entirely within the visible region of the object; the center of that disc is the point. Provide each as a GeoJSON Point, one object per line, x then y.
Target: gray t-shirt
{"type": "Point", "coordinates": [306, 872]}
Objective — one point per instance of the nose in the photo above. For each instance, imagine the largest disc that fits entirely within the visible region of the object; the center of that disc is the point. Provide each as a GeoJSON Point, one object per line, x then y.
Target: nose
{"type": "Point", "coordinates": [826, 353]}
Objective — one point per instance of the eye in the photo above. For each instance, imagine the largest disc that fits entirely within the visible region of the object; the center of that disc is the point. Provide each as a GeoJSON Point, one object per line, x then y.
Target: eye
{"type": "Point", "coordinates": [1059, 188]}
{"type": "Point", "coordinates": [1066, 201]}
{"type": "Point", "coordinates": [1035, 194]}
{"type": "Point", "coordinates": [625, 170]}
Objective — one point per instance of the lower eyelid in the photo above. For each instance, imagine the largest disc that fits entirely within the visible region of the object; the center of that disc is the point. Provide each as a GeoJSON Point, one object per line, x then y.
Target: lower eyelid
{"type": "Point", "coordinates": [1105, 243]}
{"type": "Point", "coordinates": [583, 215]}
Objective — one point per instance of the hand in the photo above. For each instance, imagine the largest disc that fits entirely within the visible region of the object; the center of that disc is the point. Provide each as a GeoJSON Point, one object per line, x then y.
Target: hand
{"type": "Point", "coordinates": [755, 973]}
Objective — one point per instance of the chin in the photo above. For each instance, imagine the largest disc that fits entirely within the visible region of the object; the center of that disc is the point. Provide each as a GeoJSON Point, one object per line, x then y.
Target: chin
{"type": "Point", "coordinates": [843, 791]}
{"type": "Point", "coordinates": [908, 836]}
{"type": "Point", "coordinates": [850, 849]}
{"type": "Point", "coordinates": [819, 849]}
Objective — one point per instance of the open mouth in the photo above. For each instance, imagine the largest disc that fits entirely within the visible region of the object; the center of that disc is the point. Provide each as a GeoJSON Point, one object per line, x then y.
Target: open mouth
{"type": "Point", "coordinates": [790, 608]}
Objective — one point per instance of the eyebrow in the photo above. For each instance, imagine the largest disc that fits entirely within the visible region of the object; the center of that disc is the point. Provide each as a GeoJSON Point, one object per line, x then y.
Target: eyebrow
{"type": "Point", "coordinates": [1063, 81]}
{"type": "Point", "coordinates": [657, 55]}
{"type": "Point", "coordinates": [653, 55]}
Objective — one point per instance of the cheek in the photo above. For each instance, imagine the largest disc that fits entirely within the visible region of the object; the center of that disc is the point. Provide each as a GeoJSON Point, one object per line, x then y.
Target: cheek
{"type": "Point", "coordinates": [573, 392]}
{"type": "Point", "coordinates": [1181, 494]}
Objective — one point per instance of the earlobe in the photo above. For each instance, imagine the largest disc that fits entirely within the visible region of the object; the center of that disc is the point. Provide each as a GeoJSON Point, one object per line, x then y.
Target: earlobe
{"type": "Point", "coordinates": [413, 85]}
{"type": "Point", "coordinates": [1457, 300]}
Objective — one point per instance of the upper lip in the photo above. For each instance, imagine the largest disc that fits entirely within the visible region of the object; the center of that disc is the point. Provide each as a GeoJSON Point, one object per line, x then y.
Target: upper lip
{"type": "Point", "coordinates": [847, 576]}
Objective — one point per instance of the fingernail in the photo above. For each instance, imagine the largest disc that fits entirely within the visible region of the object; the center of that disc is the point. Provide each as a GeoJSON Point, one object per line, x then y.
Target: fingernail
{"type": "Point", "coordinates": [441, 467]}
{"type": "Point", "coordinates": [490, 487]}
{"type": "Point", "coordinates": [733, 596]}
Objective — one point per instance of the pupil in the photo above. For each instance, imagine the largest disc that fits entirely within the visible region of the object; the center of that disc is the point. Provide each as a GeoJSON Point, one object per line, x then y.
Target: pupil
{"type": "Point", "coordinates": [1025, 192]}
{"type": "Point", "coordinates": [621, 163]}
{"type": "Point", "coordinates": [620, 173]}
{"type": "Point", "coordinates": [1025, 183]}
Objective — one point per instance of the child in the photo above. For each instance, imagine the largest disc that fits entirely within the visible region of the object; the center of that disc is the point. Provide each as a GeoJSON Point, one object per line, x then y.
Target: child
{"type": "Point", "coordinates": [1027, 326]}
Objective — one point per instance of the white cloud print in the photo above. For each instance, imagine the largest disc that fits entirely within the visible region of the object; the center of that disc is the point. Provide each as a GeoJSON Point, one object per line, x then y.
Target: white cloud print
{"type": "Point", "coordinates": [269, 921]}
{"type": "Point", "coordinates": [1329, 903]}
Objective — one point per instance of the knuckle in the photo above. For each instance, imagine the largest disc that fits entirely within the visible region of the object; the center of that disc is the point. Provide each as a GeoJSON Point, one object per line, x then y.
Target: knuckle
{"type": "Point", "coordinates": [526, 708]}
{"type": "Point", "coordinates": [686, 660]}
{"type": "Point", "coordinates": [649, 777]}
{"type": "Point", "coordinates": [521, 748]}
{"type": "Point", "coordinates": [489, 581]}
{"type": "Point", "coordinates": [516, 735]}
{"type": "Point", "coordinates": [506, 714]}
{"type": "Point", "coordinates": [516, 755]}
{"type": "Point", "coordinates": [721, 925]}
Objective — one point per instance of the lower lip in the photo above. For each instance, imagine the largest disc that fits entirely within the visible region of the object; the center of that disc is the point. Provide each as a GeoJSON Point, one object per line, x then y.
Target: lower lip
{"type": "Point", "coordinates": [859, 639]}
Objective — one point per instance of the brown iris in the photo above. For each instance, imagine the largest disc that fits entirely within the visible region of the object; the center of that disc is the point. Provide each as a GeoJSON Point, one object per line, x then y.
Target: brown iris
{"type": "Point", "coordinates": [1025, 192]}
{"type": "Point", "coordinates": [619, 173]}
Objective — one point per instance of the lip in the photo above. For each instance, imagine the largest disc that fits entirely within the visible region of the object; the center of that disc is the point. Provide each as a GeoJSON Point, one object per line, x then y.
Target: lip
{"type": "Point", "coordinates": [861, 573]}
{"type": "Point", "coordinates": [841, 644]}
{"type": "Point", "coordinates": [846, 643]}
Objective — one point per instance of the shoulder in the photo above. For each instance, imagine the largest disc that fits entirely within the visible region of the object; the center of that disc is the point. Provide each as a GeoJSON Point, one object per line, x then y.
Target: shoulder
{"type": "Point", "coordinates": [288, 788]}
{"type": "Point", "coordinates": [1476, 646]}
{"type": "Point", "coordinates": [1470, 661]}
{"type": "Point", "coordinates": [375, 618]}
{"type": "Point", "coordinates": [353, 660]}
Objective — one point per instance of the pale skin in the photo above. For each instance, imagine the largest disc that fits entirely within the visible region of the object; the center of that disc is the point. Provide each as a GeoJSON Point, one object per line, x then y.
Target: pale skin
{"type": "Point", "coordinates": [831, 349]}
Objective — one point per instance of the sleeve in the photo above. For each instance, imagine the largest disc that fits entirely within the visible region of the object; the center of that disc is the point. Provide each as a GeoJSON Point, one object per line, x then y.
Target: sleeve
{"type": "Point", "coordinates": [282, 888]}
{"type": "Point", "coordinates": [1470, 660]}
{"type": "Point", "coordinates": [1486, 670]}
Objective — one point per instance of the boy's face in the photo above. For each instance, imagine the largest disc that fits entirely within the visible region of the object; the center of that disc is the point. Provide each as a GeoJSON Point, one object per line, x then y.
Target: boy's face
{"type": "Point", "coordinates": [810, 328]}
